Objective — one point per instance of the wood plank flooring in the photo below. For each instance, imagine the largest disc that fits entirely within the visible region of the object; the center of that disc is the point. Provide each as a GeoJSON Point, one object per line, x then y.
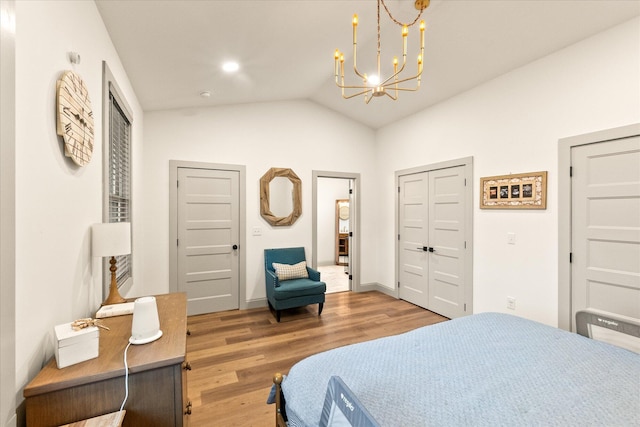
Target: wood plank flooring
{"type": "Point", "coordinates": [234, 354]}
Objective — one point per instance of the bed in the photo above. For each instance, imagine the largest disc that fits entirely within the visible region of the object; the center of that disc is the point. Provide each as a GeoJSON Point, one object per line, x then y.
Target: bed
{"type": "Point", "coordinates": [487, 369]}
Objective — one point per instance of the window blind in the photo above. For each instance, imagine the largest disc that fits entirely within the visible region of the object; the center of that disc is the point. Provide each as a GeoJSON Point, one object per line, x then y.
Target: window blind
{"type": "Point", "coordinates": [119, 177]}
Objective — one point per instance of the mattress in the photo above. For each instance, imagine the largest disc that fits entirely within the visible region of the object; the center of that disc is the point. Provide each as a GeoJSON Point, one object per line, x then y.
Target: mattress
{"type": "Point", "coordinates": [484, 370]}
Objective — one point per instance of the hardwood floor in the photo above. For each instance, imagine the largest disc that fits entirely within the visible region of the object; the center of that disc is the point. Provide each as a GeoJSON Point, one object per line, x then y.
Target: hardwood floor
{"type": "Point", "coordinates": [234, 354]}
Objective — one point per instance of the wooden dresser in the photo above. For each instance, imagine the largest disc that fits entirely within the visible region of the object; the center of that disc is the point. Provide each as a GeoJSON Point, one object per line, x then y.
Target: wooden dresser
{"type": "Point", "coordinates": [157, 376]}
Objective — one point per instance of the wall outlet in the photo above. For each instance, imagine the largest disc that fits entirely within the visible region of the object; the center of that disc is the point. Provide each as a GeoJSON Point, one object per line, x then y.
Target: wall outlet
{"type": "Point", "coordinates": [257, 231]}
{"type": "Point", "coordinates": [511, 303]}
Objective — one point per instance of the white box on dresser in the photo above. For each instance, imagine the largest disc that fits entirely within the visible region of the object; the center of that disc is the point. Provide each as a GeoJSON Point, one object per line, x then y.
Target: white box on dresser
{"type": "Point", "coordinates": [75, 346]}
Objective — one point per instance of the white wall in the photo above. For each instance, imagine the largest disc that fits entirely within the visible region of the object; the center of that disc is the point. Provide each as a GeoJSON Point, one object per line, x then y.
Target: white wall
{"type": "Point", "coordinates": [57, 280]}
{"type": "Point", "coordinates": [510, 125]}
{"type": "Point", "coordinates": [299, 135]}
{"type": "Point", "coordinates": [328, 191]}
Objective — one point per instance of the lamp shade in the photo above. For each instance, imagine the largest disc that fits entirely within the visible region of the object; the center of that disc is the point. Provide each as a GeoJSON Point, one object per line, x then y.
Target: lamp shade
{"type": "Point", "coordinates": [111, 239]}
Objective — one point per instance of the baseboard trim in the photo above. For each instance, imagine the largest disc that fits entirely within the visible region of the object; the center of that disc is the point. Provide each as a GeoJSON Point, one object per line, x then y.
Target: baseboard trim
{"type": "Point", "coordinates": [375, 286]}
{"type": "Point", "coordinates": [256, 303]}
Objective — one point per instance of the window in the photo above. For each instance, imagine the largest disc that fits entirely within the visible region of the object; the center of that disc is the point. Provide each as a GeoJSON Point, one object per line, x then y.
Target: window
{"type": "Point", "coordinates": [117, 167]}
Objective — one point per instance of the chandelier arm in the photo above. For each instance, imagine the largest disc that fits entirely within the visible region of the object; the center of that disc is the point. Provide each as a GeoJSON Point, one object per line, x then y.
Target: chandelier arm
{"type": "Point", "coordinates": [395, 98]}
{"type": "Point", "coordinates": [406, 89]}
{"type": "Point", "coordinates": [363, 88]}
{"type": "Point", "coordinates": [417, 76]}
{"type": "Point", "coordinates": [358, 73]}
{"type": "Point", "coordinates": [355, 47]}
{"type": "Point", "coordinates": [355, 94]}
{"type": "Point", "coordinates": [394, 75]}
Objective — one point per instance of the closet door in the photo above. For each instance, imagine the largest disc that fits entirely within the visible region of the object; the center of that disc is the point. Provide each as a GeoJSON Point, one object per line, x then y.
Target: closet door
{"type": "Point", "coordinates": [413, 199]}
{"type": "Point", "coordinates": [432, 249]}
{"type": "Point", "coordinates": [447, 238]}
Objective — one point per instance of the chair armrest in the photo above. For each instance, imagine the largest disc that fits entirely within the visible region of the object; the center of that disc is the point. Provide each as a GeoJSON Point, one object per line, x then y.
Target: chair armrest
{"type": "Point", "coordinates": [271, 278]}
{"type": "Point", "coordinates": [313, 274]}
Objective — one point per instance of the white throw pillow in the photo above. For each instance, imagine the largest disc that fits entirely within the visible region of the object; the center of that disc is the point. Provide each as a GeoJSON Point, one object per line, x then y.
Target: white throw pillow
{"type": "Point", "coordinates": [288, 272]}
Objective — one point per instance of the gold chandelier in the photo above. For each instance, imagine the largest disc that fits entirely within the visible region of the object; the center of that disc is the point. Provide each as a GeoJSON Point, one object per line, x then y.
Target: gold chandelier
{"type": "Point", "coordinates": [393, 84]}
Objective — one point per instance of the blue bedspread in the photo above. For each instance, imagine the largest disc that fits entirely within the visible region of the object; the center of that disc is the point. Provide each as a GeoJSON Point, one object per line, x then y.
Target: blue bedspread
{"type": "Point", "coordinates": [483, 370]}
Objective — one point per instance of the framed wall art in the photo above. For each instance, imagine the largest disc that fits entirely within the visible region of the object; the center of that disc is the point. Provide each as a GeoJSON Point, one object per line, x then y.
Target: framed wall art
{"type": "Point", "coordinates": [515, 191]}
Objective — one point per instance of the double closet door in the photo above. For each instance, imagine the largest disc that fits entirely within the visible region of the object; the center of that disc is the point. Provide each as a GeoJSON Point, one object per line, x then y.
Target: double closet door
{"type": "Point", "coordinates": [431, 240]}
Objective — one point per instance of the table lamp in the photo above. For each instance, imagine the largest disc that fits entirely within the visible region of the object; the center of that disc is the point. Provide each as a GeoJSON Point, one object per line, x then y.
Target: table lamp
{"type": "Point", "coordinates": [110, 240]}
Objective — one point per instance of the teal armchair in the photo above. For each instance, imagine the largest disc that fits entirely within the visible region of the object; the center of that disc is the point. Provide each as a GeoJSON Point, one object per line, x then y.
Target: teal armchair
{"type": "Point", "coordinates": [295, 292]}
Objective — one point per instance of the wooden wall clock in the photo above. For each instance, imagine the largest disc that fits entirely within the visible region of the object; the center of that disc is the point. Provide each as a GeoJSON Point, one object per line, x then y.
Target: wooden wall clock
{"type": "Point", "coordinates": [74, 117]}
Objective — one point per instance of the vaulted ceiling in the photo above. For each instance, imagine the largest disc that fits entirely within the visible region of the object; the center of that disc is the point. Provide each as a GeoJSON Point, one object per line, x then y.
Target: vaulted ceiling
{"type": "Point", "coordinates": [172, 50]}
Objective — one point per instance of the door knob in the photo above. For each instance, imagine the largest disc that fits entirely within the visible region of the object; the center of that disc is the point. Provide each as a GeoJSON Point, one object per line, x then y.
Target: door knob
{"type": "Point", "coordinates": [431, 249]}
{"type": "Point", "coordinates": [424, 248]}
{"type": "Point", "coordinates": [234, 247]}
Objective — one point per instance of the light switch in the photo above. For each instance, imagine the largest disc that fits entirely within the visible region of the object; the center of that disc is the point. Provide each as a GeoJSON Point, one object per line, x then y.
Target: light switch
{"type": "Point", "coordinates": [511, 238]}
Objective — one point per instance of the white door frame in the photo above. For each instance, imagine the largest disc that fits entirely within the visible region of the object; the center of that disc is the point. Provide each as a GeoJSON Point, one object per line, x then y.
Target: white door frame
{"type": "Point", "coordinates": [8, 367]}
{"type": "Point", "coordinates": [467, 162]}
{"type": "Point", "coordinates": [564, 210]}
{"type": "Point", "coordinates": [174, 165]}
{"type": "Point", "coordinates": [354, 213]}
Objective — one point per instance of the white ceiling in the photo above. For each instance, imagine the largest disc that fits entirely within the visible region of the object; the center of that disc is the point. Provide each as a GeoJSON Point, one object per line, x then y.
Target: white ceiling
{"type": "Point", "coordinates": [172, 50]}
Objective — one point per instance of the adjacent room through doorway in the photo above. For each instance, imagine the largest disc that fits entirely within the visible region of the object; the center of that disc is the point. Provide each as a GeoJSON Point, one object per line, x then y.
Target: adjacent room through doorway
{"type": "Point", "coordinates": [333, 229]}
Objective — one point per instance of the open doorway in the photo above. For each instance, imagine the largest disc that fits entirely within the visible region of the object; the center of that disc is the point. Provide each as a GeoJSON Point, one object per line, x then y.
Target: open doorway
{"type": "Point", "coordinates": [334, 229]}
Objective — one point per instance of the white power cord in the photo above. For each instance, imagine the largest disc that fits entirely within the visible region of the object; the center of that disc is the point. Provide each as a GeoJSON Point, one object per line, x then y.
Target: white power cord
{"type": "Point", "coordinates": [126, 383]}
{"type": "Point", "coordinates": [126, 377]}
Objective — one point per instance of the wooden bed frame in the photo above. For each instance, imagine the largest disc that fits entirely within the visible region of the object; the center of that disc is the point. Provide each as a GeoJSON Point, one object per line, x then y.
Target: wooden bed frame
{"type": "Point", "coordinates": [280, 421]}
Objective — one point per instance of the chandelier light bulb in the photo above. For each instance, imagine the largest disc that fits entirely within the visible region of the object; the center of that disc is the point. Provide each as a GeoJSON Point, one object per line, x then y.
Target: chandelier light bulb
{"type": "Point", "coordinates": [230, 66]}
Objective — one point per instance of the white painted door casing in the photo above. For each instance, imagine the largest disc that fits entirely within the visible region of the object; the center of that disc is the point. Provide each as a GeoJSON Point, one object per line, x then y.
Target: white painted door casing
{"type": "Point", "coordinates": [566, 319]}
{"type": "Point", "coordinates": [605, 218]}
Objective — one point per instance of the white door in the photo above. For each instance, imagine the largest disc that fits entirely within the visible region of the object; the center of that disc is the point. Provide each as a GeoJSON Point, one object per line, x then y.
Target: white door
{"type": "Point", "coordinates": [413, 256]}
{"type": "Point", "coordinates": [208, 236]}
{"type": "Point", "coordinates": [447, 238]}
{"type": "Point", "coordinates": [432, 244]}
{"type": "Point", "coordinates": [605, 246]}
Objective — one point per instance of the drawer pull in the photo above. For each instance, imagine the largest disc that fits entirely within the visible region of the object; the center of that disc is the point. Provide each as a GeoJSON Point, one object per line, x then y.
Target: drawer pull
{"type": "Point", "coordinates": [187, 366]}
{"type": "Point", "coordinates": [188, 410]}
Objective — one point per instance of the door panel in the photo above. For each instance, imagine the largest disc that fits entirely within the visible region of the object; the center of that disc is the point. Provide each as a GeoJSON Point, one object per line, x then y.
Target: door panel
{"type": "Point", "coordinates": [446, 236]}
{"type": "Point", "coordinates": [413, 227]}
{"type": "Point", "coordinates": [208, 227]}
{"type": "Point", "coordinates": [605, 218]}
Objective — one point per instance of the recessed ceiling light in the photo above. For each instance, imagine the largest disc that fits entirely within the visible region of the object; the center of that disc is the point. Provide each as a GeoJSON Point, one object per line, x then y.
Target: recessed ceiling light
{"type": "Point", "coordinates": [230, 66]}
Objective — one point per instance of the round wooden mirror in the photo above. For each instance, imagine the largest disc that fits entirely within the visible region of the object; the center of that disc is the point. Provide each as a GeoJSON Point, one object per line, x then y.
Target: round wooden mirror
{"type": "Point", "coordinates": [281, 191]}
